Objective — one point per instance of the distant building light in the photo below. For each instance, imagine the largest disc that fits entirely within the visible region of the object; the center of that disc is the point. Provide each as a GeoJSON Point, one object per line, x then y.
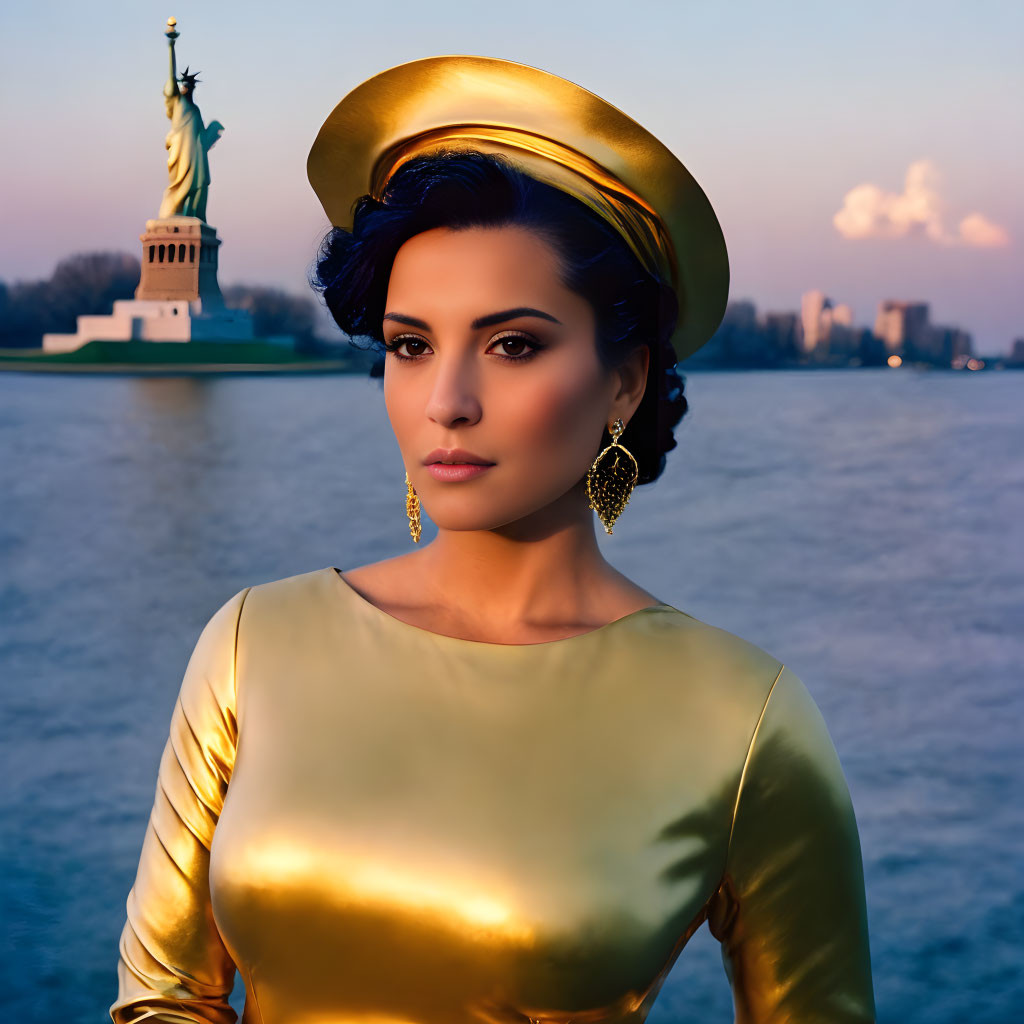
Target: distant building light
{"type": "Point", "coordinates": [894, 361]}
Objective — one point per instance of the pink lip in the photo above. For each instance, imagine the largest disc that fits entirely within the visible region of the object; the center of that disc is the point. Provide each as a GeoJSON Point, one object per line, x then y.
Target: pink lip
{"type": "Point", "coordinates": [456, 456]}
{"type": "Point", "coordinates": [456, 471]}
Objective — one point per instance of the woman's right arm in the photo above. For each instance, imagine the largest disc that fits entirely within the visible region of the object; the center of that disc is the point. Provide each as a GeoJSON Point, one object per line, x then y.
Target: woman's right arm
{"type": "Point", "coordinates": [173, 964]}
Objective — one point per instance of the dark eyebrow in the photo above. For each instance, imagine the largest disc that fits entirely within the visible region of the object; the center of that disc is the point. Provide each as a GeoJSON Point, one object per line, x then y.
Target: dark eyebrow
{"type": "Point", "coordinates": [511, 314]}
{"type": "Point", "coordinates": [401, 318]}
{"type": "Point", "coordinates": [484, 321]}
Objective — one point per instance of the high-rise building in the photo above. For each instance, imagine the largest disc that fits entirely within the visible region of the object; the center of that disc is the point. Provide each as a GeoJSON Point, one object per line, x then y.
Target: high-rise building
{"type": "Point", "coordinates": [906, 331]}
{"type": "Point", "coordinates": [741, 313]}
{"type": "Point", "coordinates": [903, 327]}
{"type": "Point", "coordinates": [843, 314]}
{"type": "Point", "coordinates": [783, 334]}
{"type": "Point", "coordinates": [949, 345]}
{"type": "Point", "coordinates": [827, 330]}
{"type": "Point", "coordinates": [815, 319]}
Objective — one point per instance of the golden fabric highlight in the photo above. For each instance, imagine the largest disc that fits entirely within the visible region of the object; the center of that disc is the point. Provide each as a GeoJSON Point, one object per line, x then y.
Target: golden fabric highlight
{"type": "Point", "coordinates": [562, 166]}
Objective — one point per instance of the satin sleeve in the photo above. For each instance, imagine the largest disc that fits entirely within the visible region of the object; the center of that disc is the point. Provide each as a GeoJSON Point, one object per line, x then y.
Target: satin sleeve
{"type": "Point", "coordinates": [791, 913]}
{"type": "Point", "coordinates": [173, 965]}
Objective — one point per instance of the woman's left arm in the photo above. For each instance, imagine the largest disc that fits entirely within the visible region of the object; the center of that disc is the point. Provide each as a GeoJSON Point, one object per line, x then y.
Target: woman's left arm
{"type": "Point", "coordinates": [791, 912]}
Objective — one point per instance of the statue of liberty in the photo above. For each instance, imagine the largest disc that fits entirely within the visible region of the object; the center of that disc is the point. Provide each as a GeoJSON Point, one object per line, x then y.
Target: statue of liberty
{"type": "Point", "coordinates": [188, 143]}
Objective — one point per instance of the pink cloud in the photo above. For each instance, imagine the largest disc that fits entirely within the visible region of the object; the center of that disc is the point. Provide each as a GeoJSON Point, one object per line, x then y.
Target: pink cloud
{"type": "Point", "coordinates": [977, 229]}
{"type": "Point", "coordinates": [869, 211]}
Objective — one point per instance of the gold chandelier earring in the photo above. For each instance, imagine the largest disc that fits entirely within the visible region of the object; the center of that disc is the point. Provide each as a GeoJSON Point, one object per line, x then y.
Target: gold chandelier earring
{"type": "Point", "coordinates": [412, 509]}
{"type": "Point", "coordinates": [609, 488]}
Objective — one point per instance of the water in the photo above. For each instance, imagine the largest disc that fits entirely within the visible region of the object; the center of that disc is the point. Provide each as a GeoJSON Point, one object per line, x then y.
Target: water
{"type": "Point", "coordinates": [866, 527]}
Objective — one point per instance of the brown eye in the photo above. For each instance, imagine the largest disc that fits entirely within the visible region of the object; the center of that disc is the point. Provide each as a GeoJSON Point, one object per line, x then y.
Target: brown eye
{"type": "Point", "coordinates": [516, 341]}
{"type": "Point", "coordinates": [404, 339]}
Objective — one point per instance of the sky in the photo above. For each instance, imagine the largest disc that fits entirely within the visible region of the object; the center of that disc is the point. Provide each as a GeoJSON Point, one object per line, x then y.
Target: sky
{"type": "Point", "coordinates": [870, 150]}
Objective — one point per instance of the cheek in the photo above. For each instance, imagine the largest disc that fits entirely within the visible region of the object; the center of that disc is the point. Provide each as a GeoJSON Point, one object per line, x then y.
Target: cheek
{"type": "Point", "coordinates": [400, 403]}
{"type": "Point", "coordinates": [557, 416]}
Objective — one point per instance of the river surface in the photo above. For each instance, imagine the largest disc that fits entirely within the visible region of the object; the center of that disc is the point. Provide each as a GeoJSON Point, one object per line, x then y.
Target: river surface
{"type": "Point", "coordinates": [864, 526]}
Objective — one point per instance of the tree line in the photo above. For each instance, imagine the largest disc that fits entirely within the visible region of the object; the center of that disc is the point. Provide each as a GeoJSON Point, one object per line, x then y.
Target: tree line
{"type": "Point", "coordinates": [89, 283]}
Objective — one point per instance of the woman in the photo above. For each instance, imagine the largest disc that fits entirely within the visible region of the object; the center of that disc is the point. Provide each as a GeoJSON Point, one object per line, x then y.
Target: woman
{"type": "Point", "coordinates": [493, 779]}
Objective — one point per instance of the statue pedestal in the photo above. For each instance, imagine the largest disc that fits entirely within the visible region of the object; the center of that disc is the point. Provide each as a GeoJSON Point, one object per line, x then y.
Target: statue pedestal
{"type": "Point", "coordinates": [179, 261]}
{"type": "Point", "coordinates": [156, 320]}
{"type": "Point", "coordinates": [178, 297]}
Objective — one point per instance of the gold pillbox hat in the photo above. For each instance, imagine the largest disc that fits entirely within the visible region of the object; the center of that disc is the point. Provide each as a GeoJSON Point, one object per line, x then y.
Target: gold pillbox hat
{"type": "Point", "coordinates": [554, 130]}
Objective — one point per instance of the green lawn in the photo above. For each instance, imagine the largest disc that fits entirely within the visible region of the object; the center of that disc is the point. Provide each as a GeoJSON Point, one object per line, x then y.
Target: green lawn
{"type": "Point", "coordinates": [170, 355]}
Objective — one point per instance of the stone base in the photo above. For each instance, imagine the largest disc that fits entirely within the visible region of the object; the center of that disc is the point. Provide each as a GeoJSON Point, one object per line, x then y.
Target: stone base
{"type": "Point", "coordinates": [179, 261]}
{"type": "Point", "coordinates": [156, 320]}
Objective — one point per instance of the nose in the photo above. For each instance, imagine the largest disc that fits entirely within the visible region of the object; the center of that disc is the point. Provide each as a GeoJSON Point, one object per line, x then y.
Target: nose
{"type": "Point", "coordinates": [454, 393]}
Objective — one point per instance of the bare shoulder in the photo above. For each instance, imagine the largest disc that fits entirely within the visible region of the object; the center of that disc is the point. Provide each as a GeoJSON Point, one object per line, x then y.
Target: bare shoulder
{"type": "Point", "coordinates": [627, 596]}
{"type": "Point", "coordinates": [387, 570]}
{"type": "Point", "coordinates": [387, 582]}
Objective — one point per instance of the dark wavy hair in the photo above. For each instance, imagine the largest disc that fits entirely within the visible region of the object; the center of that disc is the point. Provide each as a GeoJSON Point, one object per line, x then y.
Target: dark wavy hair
{"type": "Point", "coordinates": [464, 189]}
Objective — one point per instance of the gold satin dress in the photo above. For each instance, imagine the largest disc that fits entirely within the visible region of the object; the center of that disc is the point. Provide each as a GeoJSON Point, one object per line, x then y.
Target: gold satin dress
{"type": "Point", "coordinates": [378, 824]}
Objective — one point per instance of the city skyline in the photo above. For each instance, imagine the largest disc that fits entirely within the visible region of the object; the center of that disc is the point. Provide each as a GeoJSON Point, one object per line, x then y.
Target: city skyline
{"type": "Point", "coordinates": [869, 154]}
{"type": "Point", "coordinates": [823, 331]}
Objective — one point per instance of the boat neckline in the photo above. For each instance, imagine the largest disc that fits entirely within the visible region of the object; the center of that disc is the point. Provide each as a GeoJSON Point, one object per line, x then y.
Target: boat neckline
{"type": "Point", "coordinates": [401, 624]}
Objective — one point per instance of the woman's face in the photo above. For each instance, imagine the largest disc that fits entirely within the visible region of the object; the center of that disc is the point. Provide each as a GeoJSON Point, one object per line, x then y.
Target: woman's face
{"type": "Point", "coordinates": [501, 362]}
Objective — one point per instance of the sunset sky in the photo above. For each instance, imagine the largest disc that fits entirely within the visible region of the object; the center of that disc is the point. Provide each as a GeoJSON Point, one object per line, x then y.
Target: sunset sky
{"type": "Point", "coordinates": [873, 150]}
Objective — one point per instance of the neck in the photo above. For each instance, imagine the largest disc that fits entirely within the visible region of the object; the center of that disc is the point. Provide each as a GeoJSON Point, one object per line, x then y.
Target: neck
{"type": "Point", "coordinates": [545, 568]}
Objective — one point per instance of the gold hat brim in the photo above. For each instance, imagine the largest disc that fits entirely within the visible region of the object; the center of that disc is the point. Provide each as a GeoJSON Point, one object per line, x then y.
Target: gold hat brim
{"type": "Point", "coordinates": [555, 130]}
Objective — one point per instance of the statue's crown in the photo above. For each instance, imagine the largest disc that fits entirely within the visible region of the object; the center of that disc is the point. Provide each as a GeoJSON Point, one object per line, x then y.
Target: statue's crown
{"type": "Point", "coordinates": [190, 79]}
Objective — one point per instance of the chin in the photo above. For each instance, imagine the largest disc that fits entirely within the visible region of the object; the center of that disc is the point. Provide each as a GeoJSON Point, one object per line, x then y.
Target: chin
{"type": "Point", "coordinates": [468, 520]}
{"type": "Point", "coordinates": [465, 511]}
